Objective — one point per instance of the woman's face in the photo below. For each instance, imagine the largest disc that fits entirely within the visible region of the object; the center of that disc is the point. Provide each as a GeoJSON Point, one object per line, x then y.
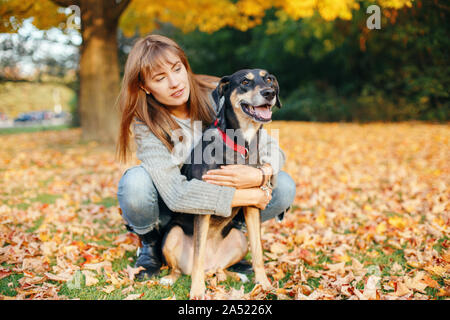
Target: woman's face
{"type": "Point", "coordinates": [169, 83]}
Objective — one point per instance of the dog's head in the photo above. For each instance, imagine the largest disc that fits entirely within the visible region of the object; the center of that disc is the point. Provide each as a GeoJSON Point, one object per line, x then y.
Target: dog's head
{"type": "Point", "coordinates": [251, 94]}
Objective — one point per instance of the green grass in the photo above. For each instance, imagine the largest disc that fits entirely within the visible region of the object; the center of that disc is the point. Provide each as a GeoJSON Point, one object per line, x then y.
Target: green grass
{"type": "Point", "coordinates": [314, 282]}
{"type": "Point", "coordinates": [4, 131]}
{"type": "Point", "coordinates": [46, 182]}
{"type": "Point", "coordinates": [14, 279]}
{"type": "Point", "coordinates": [439, 245]}
{"type": "Point", "coordinates": [44, 198]}
{"type": "Point", "coordinates": [36, 224]}
{"type": "Point", "coordinates": [180, 288]}
{"type": "Point", "coordinates": [23, 206]}
{"type": "Point", "coordinates": [24, 96]}
{"type": "Point", "coordinates": [323, 258]}
{"type": "Point", "coordinates": [108, 202]}
{"type": "Point", "coordinates": [79, 290]}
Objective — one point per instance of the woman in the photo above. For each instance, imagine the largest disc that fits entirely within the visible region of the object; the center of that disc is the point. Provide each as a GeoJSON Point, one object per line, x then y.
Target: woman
{"type": "Point", "coordinates": [160, 94]}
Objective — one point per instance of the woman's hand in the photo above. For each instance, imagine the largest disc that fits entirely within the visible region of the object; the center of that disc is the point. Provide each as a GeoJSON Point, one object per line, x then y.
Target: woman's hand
{"type": "Point", "coordinates": [264, 197]}
{"type": "Point", "coordinates": [238, 176]}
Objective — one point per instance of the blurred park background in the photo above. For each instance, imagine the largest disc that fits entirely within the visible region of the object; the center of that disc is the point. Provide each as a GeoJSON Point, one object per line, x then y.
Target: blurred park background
{"type": "Point", "coordinates": [68, 55]}
{"type": "Point", "coordinates": [364, 126]}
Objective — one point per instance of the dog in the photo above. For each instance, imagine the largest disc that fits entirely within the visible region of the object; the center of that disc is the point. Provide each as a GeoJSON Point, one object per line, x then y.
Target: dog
{"type": "Point", "coordinates": [195, 244]}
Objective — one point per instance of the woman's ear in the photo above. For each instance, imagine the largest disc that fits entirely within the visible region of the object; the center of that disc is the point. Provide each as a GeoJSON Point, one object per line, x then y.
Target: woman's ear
{"type": "Point", "coordinates": [144, 90]}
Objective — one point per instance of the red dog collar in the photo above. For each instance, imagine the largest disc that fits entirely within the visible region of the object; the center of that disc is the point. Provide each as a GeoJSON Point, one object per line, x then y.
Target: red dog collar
{"type": "Point", "coordinates": [229, 142]}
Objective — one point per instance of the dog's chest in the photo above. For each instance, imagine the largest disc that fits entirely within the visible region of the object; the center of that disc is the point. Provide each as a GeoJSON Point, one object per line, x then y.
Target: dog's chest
{"type": "Point", "coordinates": [249, 132]}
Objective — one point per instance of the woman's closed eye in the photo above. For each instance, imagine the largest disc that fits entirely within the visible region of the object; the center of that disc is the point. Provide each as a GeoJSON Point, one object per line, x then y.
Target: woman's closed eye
{"type": "Point", "coordinates": [162, 78]}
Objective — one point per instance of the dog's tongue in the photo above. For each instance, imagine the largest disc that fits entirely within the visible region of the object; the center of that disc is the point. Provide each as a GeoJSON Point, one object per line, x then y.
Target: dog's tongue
{"type": "Point", "coordinates": [263, 112]}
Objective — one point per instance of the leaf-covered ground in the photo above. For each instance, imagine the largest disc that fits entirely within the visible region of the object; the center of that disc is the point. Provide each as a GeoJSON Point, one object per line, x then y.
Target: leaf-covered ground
{"type": "Point", "coordinates": [370, 219]}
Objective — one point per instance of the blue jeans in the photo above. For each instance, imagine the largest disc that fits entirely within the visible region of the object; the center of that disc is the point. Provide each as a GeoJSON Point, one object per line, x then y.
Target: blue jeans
{"type": "Point", "coordinates": [143, 209]}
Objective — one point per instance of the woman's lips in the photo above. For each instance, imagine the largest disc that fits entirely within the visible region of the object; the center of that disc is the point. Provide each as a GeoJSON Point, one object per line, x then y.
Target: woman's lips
{"type": "Point", "coordinates": [178, 93]}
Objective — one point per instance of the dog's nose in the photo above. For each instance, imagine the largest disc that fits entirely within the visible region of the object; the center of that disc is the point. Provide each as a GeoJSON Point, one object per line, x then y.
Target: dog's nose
{"type": "Point", "coordinates": [268, 93]}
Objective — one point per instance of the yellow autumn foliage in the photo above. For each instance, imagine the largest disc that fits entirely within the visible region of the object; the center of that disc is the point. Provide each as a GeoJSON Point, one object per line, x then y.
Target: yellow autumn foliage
{"type": "Point", "coordinates": [395, 4]}
{"type": "Point", "coordinates": [206, 15]}
{"type": "Point", "coordinates": [45, 13]}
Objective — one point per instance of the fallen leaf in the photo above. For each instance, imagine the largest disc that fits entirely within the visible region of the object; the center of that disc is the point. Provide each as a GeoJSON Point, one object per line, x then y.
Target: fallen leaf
{"type": "Point", "coordinates": [370, 289]}
{"type": "Point", "coordinates": [279, 275]}
{"type": "Point", "coordinates": [4, 274]}
{"type": "Point", "coordinates": [397, 222]}
{"type": "Point", "coordinates": [108, 289]}
{"type": "Point", "coordinates": [132, 272]}
{"type": "Point", "coordinates": [416, 283]}
{"type": "Point", "coordinates": [134, 296]}
{"type": "Point", "coordinates": [278, 248]}
{"type": "Point", "coordinates": [337, 267]}
{"type": "Point", "coordinates": [322, 218]}
{"type": "Point", "coordinates": [127, 290]}
{"type": "Point", "coordinates": [58, 277]}
{"type": "Point", "coordinates": [381, 228]}
{"type": "Point", "coordinates": [402, 289]}
{"type": "Point", "coordinates": [90, 278]}
{"type": "Point", "coordinates": [430, 282]}
{"type": "Point", "coordinates": [106, 265]}
{"type": "Point", "coordinates": [436, 270]}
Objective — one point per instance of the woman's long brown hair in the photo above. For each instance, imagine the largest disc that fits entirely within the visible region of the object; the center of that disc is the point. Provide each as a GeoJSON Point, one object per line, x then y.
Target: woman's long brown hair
{"type": "Point", "coordinates": [146, 54]}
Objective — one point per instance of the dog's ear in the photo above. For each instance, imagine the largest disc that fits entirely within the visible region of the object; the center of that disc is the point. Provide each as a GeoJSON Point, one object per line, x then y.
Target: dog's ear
{"type": "Point", "coordinates": [277, 89]}
{"type": "Point", "coordinates": [223, 85]}
{"type": "Point", "coordinates": [219, 92]}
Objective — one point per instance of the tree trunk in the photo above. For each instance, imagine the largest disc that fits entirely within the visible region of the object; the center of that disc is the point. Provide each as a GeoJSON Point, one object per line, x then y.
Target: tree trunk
{"type": "Point", "coordinates": [99, 70]}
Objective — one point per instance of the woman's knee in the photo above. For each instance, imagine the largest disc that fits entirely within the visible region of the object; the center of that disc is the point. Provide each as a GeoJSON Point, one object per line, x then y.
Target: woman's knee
{"type": "Point", "coordinates": [282, 197]}
{"type": "Point", "coordinates": [137, 196]}
{"type": "Point", "coordinates": [285, 189]}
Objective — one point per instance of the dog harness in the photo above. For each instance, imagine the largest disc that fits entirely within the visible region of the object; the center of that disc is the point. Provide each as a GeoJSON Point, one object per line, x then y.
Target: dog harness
{"type": "Point", "coordinates": [229, 142]}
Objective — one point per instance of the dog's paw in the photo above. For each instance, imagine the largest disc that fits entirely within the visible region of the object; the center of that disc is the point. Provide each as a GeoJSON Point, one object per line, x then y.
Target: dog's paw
{"type": "Point", "coordinates": [263, 281]}
{"type": "Point", "coordinates": [197, 292]}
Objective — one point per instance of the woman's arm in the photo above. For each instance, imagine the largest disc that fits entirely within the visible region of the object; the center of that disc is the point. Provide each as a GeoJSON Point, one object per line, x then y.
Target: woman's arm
{"type": "Point", "coordinates": [251, 197]}
{"type": "Point", "coordinates": [179, 194]}
{"type": "Point", "coordinates": [243, 176]}
{"type": "Point", "coordinates": [239, 176]}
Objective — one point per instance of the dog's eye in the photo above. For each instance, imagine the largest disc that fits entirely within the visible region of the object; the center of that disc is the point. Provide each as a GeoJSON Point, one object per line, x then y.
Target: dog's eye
{"type": "Point", "coordinates": [269, 80]}
{"type": "Point", "coordinates": [244, 82]}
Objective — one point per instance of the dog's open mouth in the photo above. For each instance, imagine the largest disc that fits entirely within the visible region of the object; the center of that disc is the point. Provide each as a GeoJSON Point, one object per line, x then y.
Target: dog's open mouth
{"type": "Point", "coordinates": [260, 113]}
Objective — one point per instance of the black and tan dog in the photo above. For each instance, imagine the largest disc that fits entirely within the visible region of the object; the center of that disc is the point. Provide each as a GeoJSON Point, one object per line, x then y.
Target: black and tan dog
{"type": "Point", "coordinates": [198, 243]}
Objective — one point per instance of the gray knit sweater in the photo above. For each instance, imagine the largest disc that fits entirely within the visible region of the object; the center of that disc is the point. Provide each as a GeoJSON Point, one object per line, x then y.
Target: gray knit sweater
{"type": "Point", "coordinates": [194, 196]}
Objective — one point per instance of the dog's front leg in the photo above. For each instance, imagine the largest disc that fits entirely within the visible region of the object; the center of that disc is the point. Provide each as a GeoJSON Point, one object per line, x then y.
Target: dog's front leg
{"type": "Point", "coordinates": [201, 225]}
{"type": "Point", "coordinates": [253, 221]}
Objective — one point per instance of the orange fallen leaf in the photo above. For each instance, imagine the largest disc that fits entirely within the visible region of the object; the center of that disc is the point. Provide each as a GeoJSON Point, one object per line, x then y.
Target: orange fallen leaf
{"type": "Point", "coordinates": [4, 274]}
{"type": "Point", "coordinates": [397, 222]}
{"type": "Point", "coordinates": [278, 275]}
{"type": "Point", "coordinates": [416, 282]}
{"type": "Point", "coordinates": [430, 282]}
{"type": "Point", "coordinates": [402, 289]}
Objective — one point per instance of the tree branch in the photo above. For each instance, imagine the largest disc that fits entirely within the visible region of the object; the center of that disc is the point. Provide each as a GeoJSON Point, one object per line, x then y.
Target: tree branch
{"type": "Point", "coordinates": [66, 3]}
{"type": "Point", "coordinates": [118, 8]}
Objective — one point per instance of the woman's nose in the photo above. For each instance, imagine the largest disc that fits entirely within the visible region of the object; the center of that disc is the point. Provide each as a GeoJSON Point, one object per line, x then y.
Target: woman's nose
{"type": "Point", "coordinates": [173, 80]}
